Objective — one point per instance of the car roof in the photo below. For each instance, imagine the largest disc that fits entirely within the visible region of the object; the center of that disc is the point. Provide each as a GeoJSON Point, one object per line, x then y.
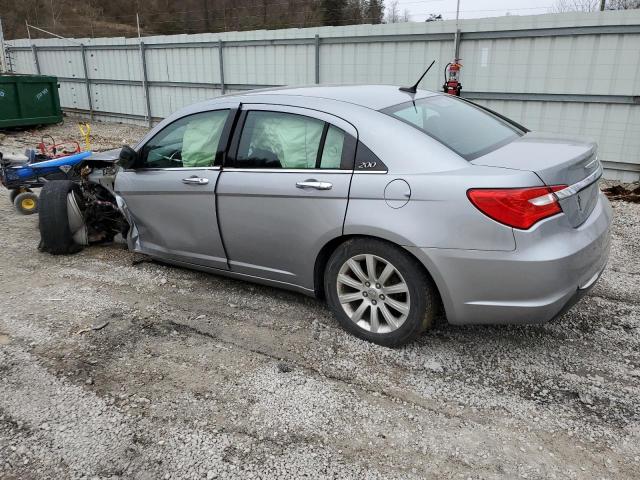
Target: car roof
{"type": "Point", "coordinates": [375, 97]}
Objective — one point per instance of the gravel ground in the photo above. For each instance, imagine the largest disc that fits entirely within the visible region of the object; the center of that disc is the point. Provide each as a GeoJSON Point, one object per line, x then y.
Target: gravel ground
{"type": "Point", "coordinates": [198, 376]}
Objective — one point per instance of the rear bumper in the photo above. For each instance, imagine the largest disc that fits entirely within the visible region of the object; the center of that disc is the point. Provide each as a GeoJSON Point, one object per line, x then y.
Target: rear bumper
{"type": "Point", "coordinates": [552, 267]}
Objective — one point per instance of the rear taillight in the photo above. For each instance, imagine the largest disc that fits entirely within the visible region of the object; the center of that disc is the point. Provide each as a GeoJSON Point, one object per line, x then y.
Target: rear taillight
{"type": "Point", "coordinates": [517, 207]}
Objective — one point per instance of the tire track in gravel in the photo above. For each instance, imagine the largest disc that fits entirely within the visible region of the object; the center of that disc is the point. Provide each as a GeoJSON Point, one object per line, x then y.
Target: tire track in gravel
{"type": "Point", "coordinates": [64, 417]}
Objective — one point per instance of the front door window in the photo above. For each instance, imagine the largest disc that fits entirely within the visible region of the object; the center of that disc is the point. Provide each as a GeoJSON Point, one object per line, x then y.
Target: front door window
{"type": "Point", "coordinates": [189, 142]}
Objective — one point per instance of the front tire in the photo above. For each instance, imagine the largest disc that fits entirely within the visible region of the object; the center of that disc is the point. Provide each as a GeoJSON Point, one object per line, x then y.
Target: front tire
{"type": "Point", "coordinates": [378, 292]}
{"type": "Point", "coordinates": [55, 234]}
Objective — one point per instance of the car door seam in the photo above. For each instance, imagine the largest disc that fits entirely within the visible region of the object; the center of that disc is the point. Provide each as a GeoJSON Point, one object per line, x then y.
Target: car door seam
{"type": "Point", "coordinates": [228, 148]}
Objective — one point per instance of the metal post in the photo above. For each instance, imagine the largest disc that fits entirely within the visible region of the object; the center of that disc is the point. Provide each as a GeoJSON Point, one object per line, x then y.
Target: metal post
{"type": "Point", "coordinates": [143, 65]}
{"type": "Point", "coordinates": [3, 52]}
{"type": "Point", "coordinates": [456, 40]}
{"type": "Point", "coordinates": [86, 79]}
{"type": "Point", "coordinates": [317, 45]}
{"type": "Point", "coordinates": [34, 49]}
{"type": "Point", "coordinates": [145, 83]}
{"type": "Point", "coordinates": [221, 60]}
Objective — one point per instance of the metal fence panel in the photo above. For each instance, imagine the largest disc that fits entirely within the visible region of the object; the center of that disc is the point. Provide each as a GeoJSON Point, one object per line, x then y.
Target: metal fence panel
{"type": "Point", "coordinates": [61, 63]}
{"type": "Point", "coordinates": [114, 64]}
{"type": "Point", "coordinates": [22, 61]}
{"type": "Point", "coordinates": [126, 99]}
{"type": "Point", "coordinates": [166, 100]}
{"type": "Point", "coordinates": [269, 64]}
{"type": "Point", "coordinates": [73, 94]}
{"type": "Point", "coordinates": [198, 65]}
{"type": "Point", "coordinates": [589, 64]}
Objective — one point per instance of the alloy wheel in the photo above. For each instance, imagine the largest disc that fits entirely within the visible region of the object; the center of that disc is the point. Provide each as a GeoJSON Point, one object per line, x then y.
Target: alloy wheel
{"type": "Point", "coordinates": [373, 293]}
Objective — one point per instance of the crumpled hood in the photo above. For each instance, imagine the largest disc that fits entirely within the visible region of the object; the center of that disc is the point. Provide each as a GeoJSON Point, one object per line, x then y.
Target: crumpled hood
{"type": "Point", "coordinates": [106, 156]}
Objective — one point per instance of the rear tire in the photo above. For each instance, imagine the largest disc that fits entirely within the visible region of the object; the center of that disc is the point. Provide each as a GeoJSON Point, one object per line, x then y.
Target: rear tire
{"type": "Point", "coordinates": [26, 203]}
{"type": "Point", "coordinates": [55, 235]}
{"type": "Point", "coordinates": [378, 292]}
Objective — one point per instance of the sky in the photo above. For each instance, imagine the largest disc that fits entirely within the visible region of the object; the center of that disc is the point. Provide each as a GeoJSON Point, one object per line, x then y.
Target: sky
{"type": "Point", "coordinates": [420, 9]}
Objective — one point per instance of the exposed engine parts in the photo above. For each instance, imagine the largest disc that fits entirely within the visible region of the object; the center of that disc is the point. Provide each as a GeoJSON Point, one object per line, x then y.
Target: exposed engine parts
{"type": "Point", "coordinates": [100, 213]}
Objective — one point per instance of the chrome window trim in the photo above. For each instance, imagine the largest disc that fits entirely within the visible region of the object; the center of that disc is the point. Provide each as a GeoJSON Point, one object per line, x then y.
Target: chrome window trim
{"type": "Point", "coordinates": [172, 169]}
{"type": "Point", "coordinates": [261, 170]}
{"type": "Point", "coordinates": [321, 115]}
{"type": "Point", "coordinates": [180, 114]}
{"type": "Point", "coordinates": [288, 170]}
{"type": "Point", "coordinates": [303, 170]}
{"type": "Point", "coordinates": [581, 185]}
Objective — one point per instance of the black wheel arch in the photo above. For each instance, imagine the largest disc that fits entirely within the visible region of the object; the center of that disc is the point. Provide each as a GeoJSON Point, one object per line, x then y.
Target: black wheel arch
{"type": "Point", "coordinates": [327, 250]}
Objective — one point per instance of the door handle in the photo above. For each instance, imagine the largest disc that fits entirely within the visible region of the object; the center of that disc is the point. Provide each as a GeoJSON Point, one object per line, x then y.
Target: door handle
{"type": "Point", "coordinates": [195, 181]}
{"type": "Point", "coordinates": [314, 184]}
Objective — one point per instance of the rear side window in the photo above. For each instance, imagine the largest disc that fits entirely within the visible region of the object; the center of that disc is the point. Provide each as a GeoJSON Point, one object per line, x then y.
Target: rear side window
{"type": "Point", "coordinates": [467, 130]}
{"type": "Point", "coordinates": [332, 150]}
{"type": "Point", "coordinates": [285, 140]}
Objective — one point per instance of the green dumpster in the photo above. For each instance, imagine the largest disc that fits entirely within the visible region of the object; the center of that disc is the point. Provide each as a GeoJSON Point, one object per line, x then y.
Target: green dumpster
{"type": "Point", "coordinates": [29, 100]}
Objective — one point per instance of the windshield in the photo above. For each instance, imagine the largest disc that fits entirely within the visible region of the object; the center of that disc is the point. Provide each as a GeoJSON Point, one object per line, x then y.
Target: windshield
{"type": "Point", "coordinates": [463, 127]}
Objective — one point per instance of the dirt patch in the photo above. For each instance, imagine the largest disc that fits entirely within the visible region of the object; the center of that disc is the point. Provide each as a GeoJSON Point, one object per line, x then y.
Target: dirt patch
{"type": "Point", "coordinates": [619, 192]}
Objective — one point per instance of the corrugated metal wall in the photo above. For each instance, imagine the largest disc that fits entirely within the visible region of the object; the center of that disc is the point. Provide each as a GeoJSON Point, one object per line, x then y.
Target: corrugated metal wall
{"type": "Point", "coordinates": [573, 73]}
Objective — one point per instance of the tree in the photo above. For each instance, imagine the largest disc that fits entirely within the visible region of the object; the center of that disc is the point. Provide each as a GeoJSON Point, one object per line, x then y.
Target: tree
{"type": "Point", "coordinates": [576, 6]}
{"type": "Point", "coordinates": [394, 16]}
{"type": "Point", "coordinates": [622, 4]}
{"type": "Point", "coordinates": [99, 18]}
{"type": "Point", "coordinates": [593, 5]}
{"type": "Point", "coordinates": [332, 12]}
{"type": "Point", "coordinates": [393, 13]}
{"type": "Point", "coordinates": [434, 17]}
{"type": "Point", "coordinates": [354, 11]}
{"type": "Point", "coordinates": [373, 11]}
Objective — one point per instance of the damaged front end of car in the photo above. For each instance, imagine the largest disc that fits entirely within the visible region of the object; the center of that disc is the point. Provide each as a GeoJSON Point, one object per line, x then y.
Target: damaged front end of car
{"type": "Point", "coordinates": [95, 213]}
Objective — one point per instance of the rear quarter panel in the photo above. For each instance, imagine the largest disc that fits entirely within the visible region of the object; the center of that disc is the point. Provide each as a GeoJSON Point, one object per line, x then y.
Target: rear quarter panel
{"type": "Point", "coordinates": [438, 213]}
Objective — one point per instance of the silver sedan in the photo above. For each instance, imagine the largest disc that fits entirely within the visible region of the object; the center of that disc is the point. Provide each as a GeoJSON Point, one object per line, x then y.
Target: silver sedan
{"type": "Point", "coordinates": [391, 205]}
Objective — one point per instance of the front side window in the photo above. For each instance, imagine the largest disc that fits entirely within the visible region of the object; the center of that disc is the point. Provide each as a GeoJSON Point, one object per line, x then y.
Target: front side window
{"type": "Point", "coordinates": [191, 141]}
{"type": "Point", "coordinates": [467, 130]}
{"type": "Point", "coordinates": [286, 140]}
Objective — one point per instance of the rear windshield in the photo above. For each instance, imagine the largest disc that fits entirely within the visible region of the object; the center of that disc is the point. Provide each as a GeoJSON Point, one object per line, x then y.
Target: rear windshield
{"type": "Point", "coordinates": [465, 128]}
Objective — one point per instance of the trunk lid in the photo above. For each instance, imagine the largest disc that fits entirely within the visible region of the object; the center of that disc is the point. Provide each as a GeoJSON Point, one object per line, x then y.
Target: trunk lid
{"type": "Point", "coordinates": [556, 160]}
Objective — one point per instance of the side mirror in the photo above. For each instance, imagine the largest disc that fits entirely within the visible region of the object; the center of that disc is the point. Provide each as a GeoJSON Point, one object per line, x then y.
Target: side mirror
{"type": "Point", "coordinates": [128, 158]}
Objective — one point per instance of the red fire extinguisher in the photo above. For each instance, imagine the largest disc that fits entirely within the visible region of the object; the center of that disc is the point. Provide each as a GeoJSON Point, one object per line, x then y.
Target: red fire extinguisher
{"type": "Point", "coordinates": [452, 84]}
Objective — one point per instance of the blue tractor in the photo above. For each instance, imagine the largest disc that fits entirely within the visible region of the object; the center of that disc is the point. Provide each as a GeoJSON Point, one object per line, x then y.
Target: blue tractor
{"type": "Point", "coordinates": [20, 174]}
